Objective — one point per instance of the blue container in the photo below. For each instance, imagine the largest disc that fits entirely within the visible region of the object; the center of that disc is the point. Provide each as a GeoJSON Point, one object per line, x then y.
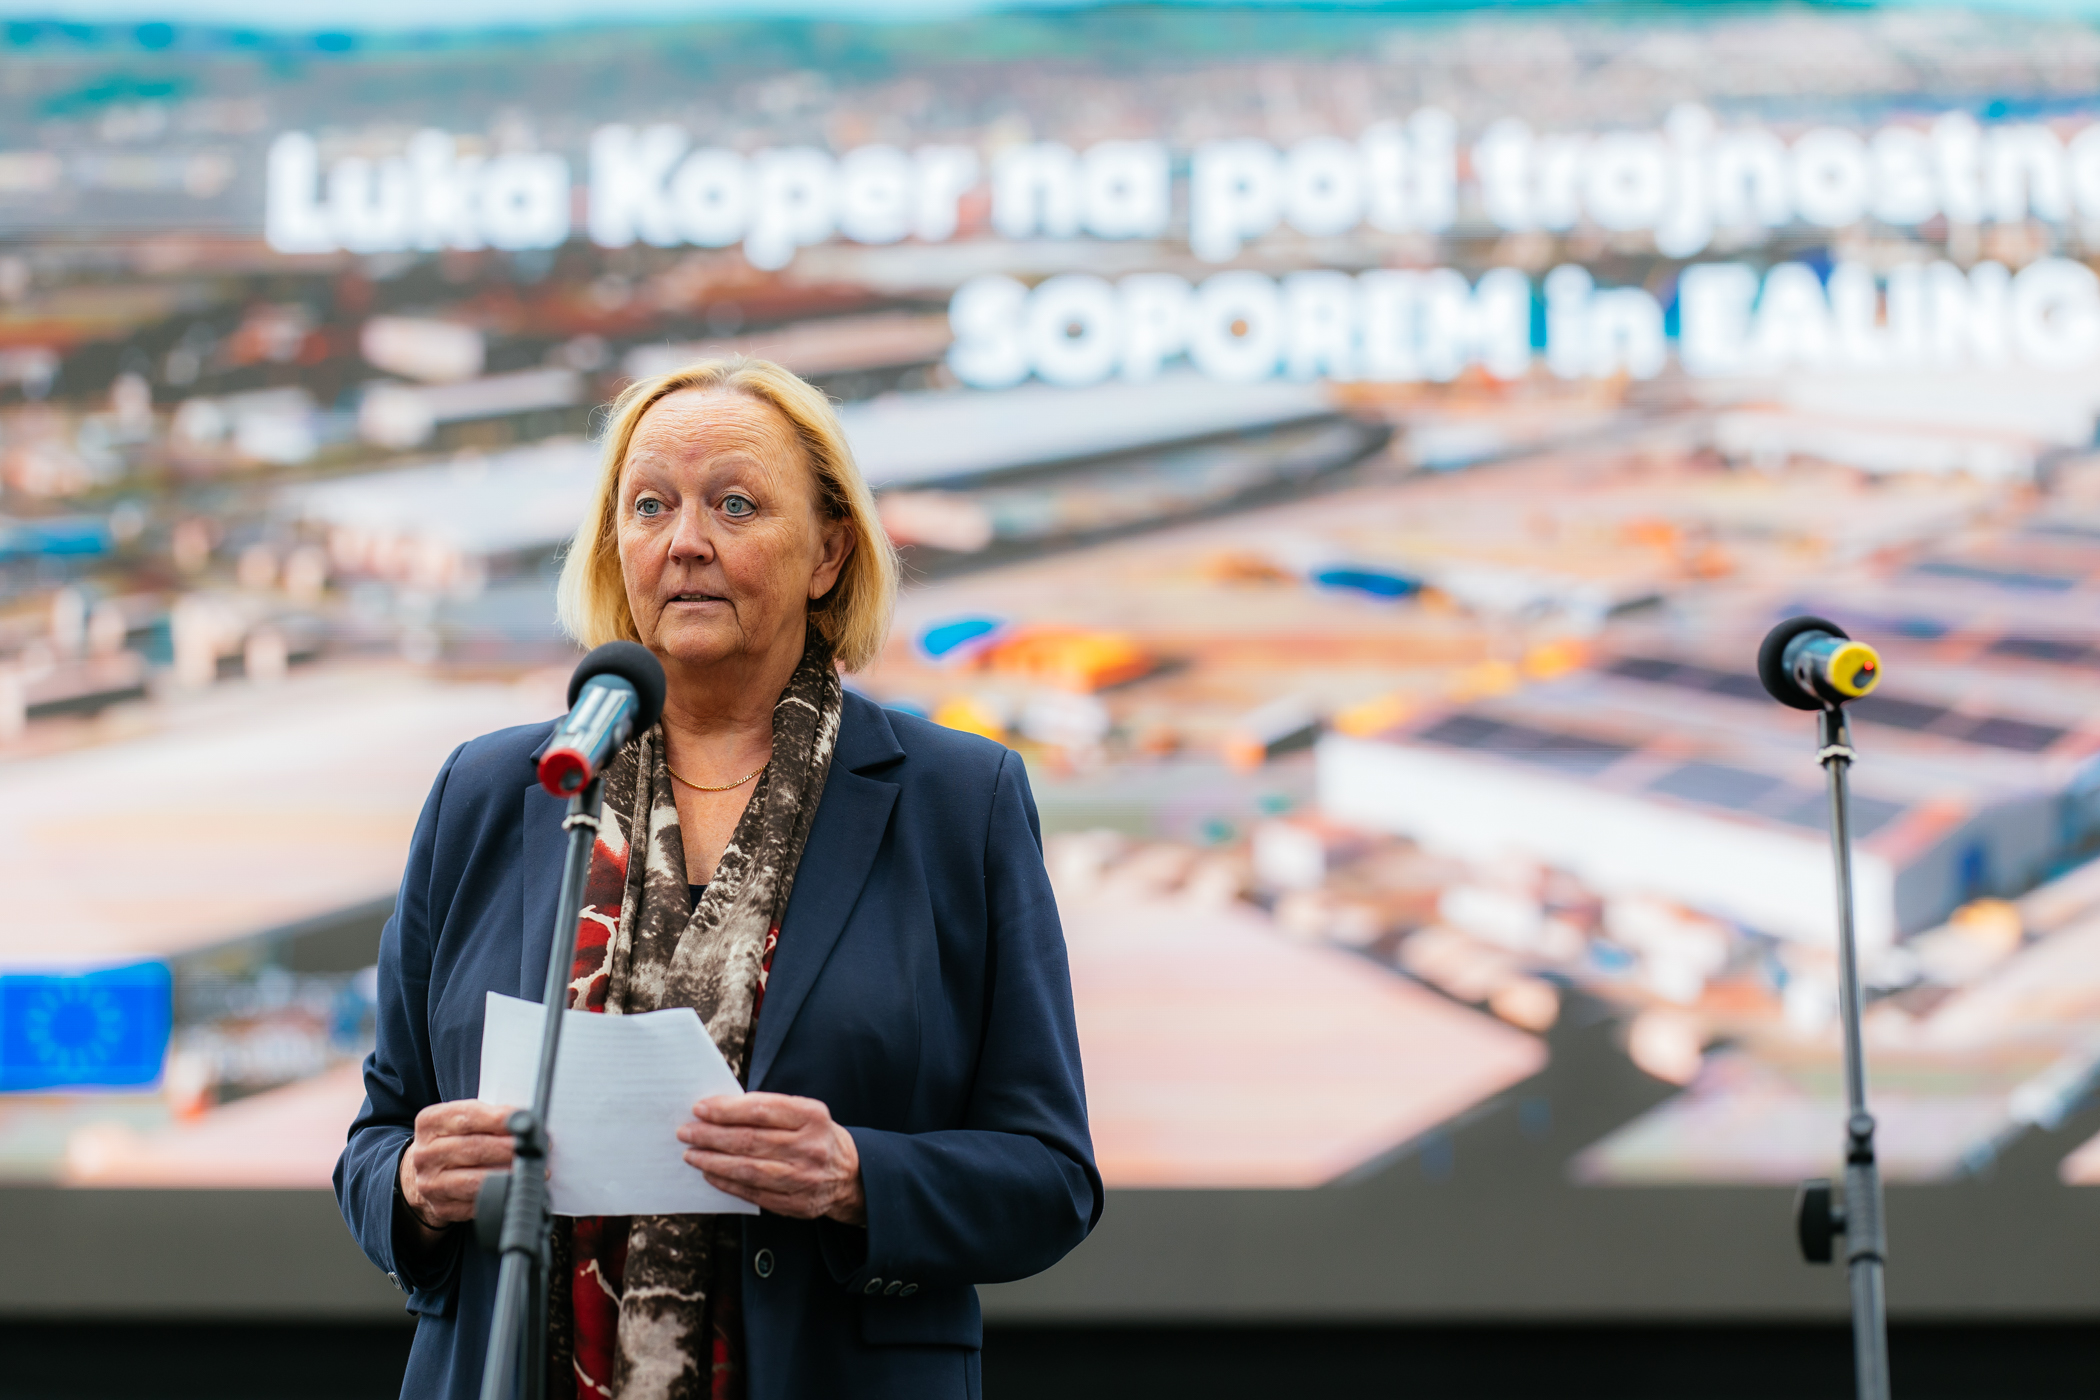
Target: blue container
{"type": "Point", "coordinates": [64, 537]}
{"type": "Point", "coordinates": [1379, 583]}
{"type": "Point", "coordinates": [956, 638]}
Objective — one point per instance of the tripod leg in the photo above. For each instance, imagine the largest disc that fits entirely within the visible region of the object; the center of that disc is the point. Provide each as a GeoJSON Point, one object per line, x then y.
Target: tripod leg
{"type": "Point", "coordinates": [1866, 1241]}
{"type": "Point", "coordinates": [500, 1366]}
{"type": "Point", "coordinates": [1866, 1246]}
{"type": "Point", "coordinates": [534, 1361]}
{"type": "Point", "coordinates": [1869, 1330]}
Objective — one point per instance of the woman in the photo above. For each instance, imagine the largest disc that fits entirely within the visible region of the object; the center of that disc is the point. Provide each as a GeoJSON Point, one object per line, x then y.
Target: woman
{"type": "Point", "coordinates": [853, 900]}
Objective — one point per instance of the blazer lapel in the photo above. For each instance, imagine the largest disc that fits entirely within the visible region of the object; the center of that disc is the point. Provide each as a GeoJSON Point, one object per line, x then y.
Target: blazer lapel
{"type": "Point", "coordinates": [544, 842]}
{"type": "Point", "coordinates": [851, 819]}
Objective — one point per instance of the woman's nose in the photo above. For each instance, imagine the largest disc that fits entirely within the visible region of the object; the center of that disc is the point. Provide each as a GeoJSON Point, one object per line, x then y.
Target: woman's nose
{"type": "Point", "coordinates": [689, 538]}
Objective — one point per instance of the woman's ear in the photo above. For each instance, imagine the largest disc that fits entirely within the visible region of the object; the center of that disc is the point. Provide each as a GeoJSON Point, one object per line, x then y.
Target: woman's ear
{"type": "Point", "coordinates": [838, 546]}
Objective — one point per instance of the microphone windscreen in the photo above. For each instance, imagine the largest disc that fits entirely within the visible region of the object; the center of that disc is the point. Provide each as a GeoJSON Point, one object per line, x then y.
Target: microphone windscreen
{"type": "Point", "coordinates": [1771, 661]}
{"type": "Point", "coordinates": [631, 662]}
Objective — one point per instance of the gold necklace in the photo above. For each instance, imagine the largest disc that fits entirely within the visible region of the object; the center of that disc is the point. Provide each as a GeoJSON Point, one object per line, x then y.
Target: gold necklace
{"type": "Point", "coordinates": [703, 787]}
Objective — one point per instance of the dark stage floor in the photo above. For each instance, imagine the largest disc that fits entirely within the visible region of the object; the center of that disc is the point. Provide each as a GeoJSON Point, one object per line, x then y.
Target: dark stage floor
{"type": "Point", "coordinates": [162, 1361]}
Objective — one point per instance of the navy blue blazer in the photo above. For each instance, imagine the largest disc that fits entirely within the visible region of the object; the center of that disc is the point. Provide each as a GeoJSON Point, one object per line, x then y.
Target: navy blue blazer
{"type": "Point", "coordinates": [920, 990]}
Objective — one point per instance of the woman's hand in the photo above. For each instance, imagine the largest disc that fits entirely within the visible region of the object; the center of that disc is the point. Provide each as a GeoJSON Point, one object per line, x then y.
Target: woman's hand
{"type": "Point", "coordinates": [456, 1145]}
{"type": "Point", "coordinates": [778, 1152]}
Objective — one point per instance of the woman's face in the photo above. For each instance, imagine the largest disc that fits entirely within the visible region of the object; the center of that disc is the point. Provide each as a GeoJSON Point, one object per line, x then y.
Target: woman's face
{"type": "Point", "coordinates": [722, 545]}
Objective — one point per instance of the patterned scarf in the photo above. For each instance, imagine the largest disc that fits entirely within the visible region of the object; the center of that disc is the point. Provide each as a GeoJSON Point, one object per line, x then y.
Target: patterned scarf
{"type": "Point", "coordinates": [646, 1308]}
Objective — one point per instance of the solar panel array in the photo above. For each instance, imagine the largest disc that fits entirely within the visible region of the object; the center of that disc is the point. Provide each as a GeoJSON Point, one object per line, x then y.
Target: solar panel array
{"type": "Point", "coordinates": [1894, 712]}
{"type": "Point", "coordinates": [1574, 754]}
{"type": "Point", "coordinates": [1760, 794]}
{"type": "Point", "coordinates": [2024, 580]}
{"type": "Point", "coordinates": [1715, 785]}
{"type": "Point", "coordinates": [2059, 651]}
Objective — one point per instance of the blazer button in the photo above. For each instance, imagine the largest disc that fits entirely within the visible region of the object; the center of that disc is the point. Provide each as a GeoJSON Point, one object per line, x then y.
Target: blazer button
{"type": "Point", "coordinates": [891, 1291]}
{"type": "Point", "coordinates": [762, 1263]}
{"type": "Point", "coordinates": [874, 1287]}
{"type": "Point", "coordinates": [909, 1289]}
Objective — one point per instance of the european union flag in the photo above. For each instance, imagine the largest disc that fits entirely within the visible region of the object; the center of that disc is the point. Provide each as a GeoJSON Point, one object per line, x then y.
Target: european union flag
{"type": "Point", "coordinates": [107, 1028]}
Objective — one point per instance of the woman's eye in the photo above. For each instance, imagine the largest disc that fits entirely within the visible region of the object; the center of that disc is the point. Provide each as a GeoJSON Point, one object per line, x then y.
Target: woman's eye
{"type": "Point", "coordinates": [738, 506]}
{"type": "Point", "coordinates": [648, 507]}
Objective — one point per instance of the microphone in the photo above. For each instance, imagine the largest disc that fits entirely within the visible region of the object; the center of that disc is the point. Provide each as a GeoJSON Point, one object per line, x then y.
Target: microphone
{"type": "Point", "coordinates": [1810, 664]}
{"type": "Point", "coordinates": [617, 690]}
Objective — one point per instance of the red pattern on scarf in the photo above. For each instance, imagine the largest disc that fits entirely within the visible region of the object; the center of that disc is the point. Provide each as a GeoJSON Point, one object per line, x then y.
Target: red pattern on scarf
{"type": "Point", "coordinates": [599, 1243]}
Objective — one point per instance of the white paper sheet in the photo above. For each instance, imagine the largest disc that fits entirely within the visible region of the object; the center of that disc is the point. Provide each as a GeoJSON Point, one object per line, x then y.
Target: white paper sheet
{"type": "Point", "coordinates": [622, 1088]}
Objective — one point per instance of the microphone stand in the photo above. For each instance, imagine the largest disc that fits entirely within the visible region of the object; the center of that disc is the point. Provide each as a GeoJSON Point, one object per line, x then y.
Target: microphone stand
{"type": "Point", "coordinates": [510, 1213]}
{"type": "Point", "coordinates": [1818, 1219]}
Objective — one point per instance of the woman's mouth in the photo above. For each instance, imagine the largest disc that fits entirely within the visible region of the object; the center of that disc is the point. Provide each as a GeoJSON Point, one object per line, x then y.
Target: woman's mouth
{"type": "Point", "coordinates": [697, 598]}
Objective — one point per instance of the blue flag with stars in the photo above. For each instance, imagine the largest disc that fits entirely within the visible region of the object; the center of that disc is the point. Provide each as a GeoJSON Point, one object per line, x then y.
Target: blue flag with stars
{"type": "Point", "coordinates": [106, 1029]}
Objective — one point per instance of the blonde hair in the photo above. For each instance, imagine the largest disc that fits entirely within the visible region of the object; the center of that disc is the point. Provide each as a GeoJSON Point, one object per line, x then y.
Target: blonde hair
{"type": "Point", "coordinates": [854, 615]}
